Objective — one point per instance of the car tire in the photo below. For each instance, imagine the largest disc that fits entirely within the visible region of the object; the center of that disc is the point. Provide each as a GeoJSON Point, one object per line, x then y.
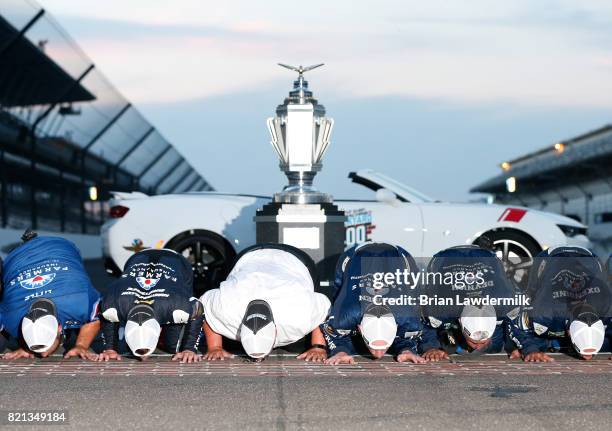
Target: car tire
{"type": "Point", "coordinates": [516, 250]}
{"type": "Point", "coordinates": [210, 256]}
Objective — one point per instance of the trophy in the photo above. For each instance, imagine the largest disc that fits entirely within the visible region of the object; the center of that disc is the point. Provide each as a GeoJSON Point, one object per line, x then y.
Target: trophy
{"type": "Point", "coordinates": [300, 135]}
{"type": "Point", "coordinates": [300, 215]}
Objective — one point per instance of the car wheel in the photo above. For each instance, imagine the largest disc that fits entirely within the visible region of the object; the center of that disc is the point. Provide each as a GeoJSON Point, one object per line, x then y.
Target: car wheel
{"type": "Point", "coordinates": [516, 251]}
{"type": "Point", "coordinates": [210, 258]}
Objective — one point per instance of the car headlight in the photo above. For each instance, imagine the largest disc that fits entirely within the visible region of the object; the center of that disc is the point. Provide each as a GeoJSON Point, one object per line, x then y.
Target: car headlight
{"type": "Point", "coordinates": [572, 231]}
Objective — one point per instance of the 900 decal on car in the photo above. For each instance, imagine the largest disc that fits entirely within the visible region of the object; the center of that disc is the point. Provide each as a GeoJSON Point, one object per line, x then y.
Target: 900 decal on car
{"type": "Point", "coordinates": [358, 226]}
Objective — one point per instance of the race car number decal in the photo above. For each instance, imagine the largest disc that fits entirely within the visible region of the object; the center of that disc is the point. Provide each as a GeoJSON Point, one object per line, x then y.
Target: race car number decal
{"type": "Point", "coordinates": [358, 227]}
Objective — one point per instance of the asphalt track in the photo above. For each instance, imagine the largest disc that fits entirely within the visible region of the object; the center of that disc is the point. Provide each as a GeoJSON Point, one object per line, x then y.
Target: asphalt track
{"type": "Point", "coordinates": [283, 393]}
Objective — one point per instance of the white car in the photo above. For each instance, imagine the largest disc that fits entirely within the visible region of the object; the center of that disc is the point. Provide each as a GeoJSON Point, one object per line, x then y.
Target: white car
{"type": "Point", "coordinates": [209, 228]}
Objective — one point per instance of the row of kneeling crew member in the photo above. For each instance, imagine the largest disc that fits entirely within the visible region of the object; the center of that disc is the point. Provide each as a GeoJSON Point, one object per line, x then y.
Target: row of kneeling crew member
{"type": "Point", "coordinates": [269, 300]}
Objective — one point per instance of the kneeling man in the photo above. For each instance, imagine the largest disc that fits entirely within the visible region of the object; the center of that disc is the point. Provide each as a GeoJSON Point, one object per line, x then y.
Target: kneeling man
{"type": "Point", "coordinates": [152, 304]}
{"type": "Point", "coordinates": [571, 306]}
{"type": "Point", "coordinates": [267, 301]}
{"type": "Point", "coordinates": [367, 305]}
{"type": "Point", "coordinates": [48, 299]}
{"type": "Point", "coordinates": [466, 279]}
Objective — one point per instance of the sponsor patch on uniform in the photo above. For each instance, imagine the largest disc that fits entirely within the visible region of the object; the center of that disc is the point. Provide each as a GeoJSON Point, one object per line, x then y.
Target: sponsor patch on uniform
{"type": "Point", "coordinates": [524, 321]}
{"type": "Point", "coordinates": [111, 315]}
{"type": "Point", "coordinates": [513, 314]}
{"type": "Point", "coordinates": [328, 329]}
{"type": "Point", "coordinates": [434, 322]}
{"type": "Point", "coordinates": [180, 316]}
{"type": "Point", "coordinates": [147, 283]}
{"type": "Point", "coordinates": [145, 301]}
{"type": "Point", "coordinates": [38, 281]}
{"type": "Point", "coordinates": [539, 329]}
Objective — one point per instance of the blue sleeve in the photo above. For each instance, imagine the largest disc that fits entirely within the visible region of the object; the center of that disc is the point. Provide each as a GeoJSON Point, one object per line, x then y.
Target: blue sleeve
{"type": "Point", "coordinates": [525, 338]}
{"type": "Point", "coordinates": [94, 305]}
{"type": "Point", "coordinates": [408, 335]}
{"type": "Point", "coordinates": [498, 341]}
{"type": "Point", "coordinates": [429, 338]}
{"type": "Point", "coordinates": [510, 342]}
{"type": "Point", "coordinates": [338, 340]}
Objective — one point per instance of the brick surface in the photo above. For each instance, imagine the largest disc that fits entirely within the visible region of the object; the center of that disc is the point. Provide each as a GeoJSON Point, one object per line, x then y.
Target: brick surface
{"type": "Point", "coordinates": [288, 366]}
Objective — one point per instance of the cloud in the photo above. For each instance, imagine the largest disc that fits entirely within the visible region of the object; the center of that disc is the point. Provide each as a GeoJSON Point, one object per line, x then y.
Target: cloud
{"type": "Point", "coordinates": [533, 53]}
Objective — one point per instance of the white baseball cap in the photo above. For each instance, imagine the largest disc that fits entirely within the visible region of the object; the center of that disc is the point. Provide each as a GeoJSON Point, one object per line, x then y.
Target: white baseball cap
{"type": "Point", "coordinates": [142, 330]}
{"type": "Point", "coordinates": [478, 324]}
{"type": "Point", "coordinates": [378, 327]}
{"type": "Point", "coordinates": [40, 327]}
{"type": "Point", "coordinates": [586, 331]}
{"type": "Point", "coordinates": [258, 331]}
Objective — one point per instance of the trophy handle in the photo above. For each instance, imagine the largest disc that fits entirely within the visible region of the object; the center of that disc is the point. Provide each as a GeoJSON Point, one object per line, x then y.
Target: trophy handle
{"type": "Point", "coordinates": [274, 129]}
{"type": "Point", "coordinates": [327, 125]}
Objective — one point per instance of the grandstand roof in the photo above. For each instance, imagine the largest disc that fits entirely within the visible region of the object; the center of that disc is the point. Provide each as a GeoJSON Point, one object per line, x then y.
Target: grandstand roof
{"type": "Point", "coordinates": [25, 66]}
{"type": "Point", "coordinates": [50, 88]}
{"type": "Point", "coordinates": [584, 157]}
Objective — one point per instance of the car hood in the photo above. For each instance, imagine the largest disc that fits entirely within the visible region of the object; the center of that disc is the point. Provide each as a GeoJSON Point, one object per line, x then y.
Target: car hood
{"type": "Point", "coordinates": [557, 218]}
{"type": "Point", "coordinates": [553, 217]}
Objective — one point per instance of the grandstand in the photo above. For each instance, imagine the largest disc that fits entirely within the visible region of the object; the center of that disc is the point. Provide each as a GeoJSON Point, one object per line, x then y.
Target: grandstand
{"type": "Point", "coordinates": [67, 136]}
{"type": "Point", "coordinates": [572, 177]}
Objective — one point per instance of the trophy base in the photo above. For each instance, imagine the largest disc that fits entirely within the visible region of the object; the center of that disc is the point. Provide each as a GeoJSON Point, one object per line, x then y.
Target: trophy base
{"type": "Point", "coordinates": [301, 196]}
{"type": "Point", "coordinates": [317, 229]}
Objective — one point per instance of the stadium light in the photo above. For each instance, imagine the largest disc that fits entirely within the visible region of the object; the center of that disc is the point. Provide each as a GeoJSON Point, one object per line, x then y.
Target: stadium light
{"type": "Point", "coordinates": [93, 193]}
{"type": "Point", "coordinates": [505, 166]}
{"type": "Point", "coordinates": [511, 184]}
{"type": "Point", "coordinates": [559, 147]}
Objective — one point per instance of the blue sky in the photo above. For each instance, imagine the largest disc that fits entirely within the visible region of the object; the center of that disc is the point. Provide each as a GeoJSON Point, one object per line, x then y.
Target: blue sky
{"type": "Point", "coordinates": [435, 94]}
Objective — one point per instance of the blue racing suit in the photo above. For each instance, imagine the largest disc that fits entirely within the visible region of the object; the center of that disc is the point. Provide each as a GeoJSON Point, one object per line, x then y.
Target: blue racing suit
{"type": "Point", "coordinates": [52, 268]}
{"type": "Point", "coordinates": [354, 284]}
{"type": "Point", "coordinates": [560, 279]}
{"type": "Point", "coordinates": [441, 327]}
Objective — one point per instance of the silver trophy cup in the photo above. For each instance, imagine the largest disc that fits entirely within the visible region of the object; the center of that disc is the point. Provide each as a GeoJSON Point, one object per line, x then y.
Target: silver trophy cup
{"type": "Point", "coordinates": [300, 134]}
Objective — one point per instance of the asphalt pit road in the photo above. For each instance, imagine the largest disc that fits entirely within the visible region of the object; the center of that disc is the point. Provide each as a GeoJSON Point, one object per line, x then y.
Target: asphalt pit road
{"type": "Point", "coordinates": [504, 391]}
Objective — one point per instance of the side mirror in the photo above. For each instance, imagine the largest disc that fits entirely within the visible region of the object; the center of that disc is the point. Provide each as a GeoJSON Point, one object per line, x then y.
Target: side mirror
{"type": "Point", "coordinates": [386, 196]}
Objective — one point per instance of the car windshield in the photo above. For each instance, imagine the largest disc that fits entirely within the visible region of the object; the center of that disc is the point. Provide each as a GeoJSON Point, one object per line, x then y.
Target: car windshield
{"type": "Point", "coordinates": [409, 190]}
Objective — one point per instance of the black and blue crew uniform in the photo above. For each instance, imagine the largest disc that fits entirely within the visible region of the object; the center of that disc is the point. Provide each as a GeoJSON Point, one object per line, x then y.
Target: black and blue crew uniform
{"type": "Point", "coordinates": [560, 280]}
{"type": "Point", "coordinates": [163, 280]}
{"type": "Point", "coordinates": [355, 289]}
{"type": "Point", "coordinates": [441, 327]}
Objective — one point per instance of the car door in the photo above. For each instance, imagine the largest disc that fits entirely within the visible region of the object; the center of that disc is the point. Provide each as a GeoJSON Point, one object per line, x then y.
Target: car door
{"type": "Point", "coordinates": [398, 223]}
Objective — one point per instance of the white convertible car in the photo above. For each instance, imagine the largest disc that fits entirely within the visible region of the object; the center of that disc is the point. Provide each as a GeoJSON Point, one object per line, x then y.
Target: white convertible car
{"type": "Point", "coordinates": [209, 228]}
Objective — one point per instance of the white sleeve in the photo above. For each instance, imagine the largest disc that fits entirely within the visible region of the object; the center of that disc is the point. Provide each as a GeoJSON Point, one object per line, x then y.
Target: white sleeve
{"type": "Point", "coordinates": [320, 309]}
{"type": "Point", "coordinates": [215, 315]}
